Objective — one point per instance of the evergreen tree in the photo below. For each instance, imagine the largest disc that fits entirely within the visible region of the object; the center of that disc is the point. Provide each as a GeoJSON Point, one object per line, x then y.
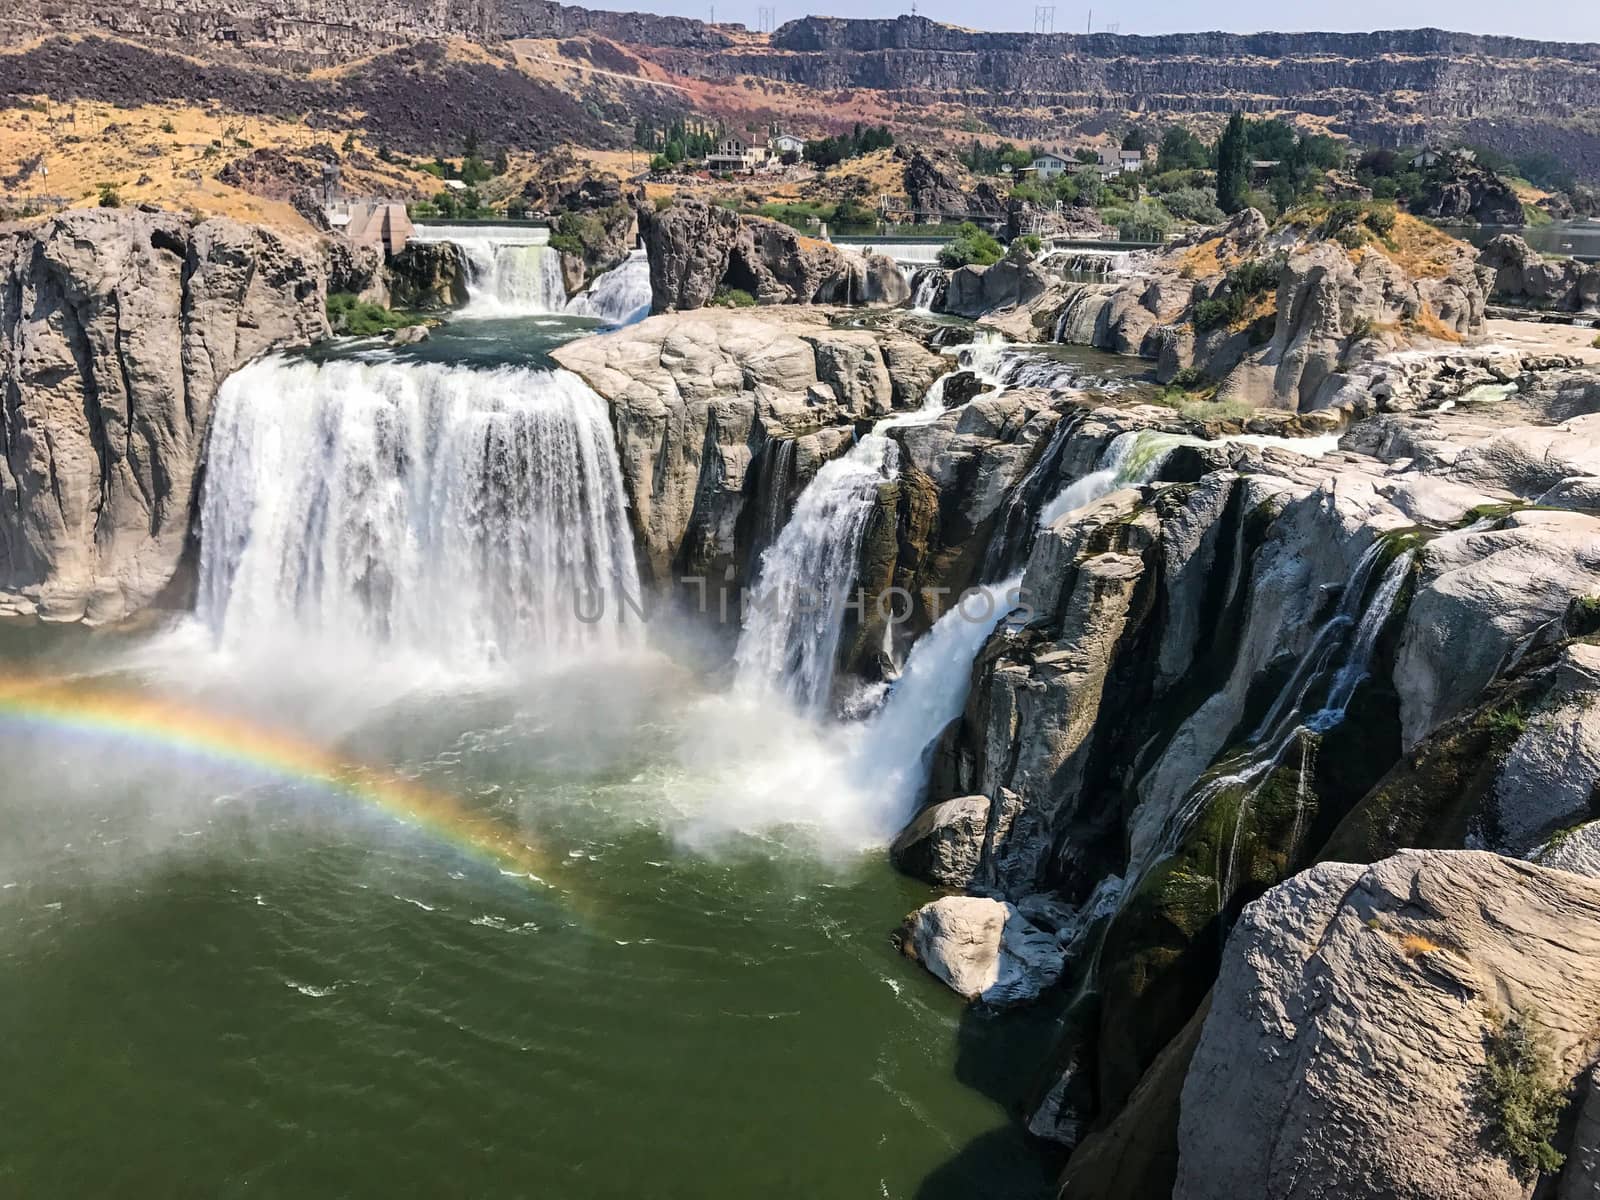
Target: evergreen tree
{"type": "Point", "coordinates": [1233, 166]}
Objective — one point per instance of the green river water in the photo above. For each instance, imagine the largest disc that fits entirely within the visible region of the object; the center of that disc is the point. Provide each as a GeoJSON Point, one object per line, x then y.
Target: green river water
{"type": "Point", "coordinates": [219, 982]}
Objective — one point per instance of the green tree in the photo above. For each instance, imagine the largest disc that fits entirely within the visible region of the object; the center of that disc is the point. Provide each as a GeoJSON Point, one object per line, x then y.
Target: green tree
{"type": "Point", "coordinates": [1180, 150]}
{"type": "Point", "coordinates": [970, 246]}
{"type": "Point", "coordinates": [1233, 166]}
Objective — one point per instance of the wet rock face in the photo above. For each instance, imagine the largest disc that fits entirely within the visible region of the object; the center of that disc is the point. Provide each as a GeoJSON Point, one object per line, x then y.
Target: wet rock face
{"type": "Point", "coordinates": [1346, 1038]}
{"type": "Point", "coordinates": [697, 250]}
{"type": "Point", "coordinates": [116, 329]}
{"type": "Point", "coordinates": [428, 276]}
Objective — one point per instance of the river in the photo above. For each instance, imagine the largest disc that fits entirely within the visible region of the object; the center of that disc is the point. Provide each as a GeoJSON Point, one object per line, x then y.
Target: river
{"type": "Point", "coordinates": [378, 873]}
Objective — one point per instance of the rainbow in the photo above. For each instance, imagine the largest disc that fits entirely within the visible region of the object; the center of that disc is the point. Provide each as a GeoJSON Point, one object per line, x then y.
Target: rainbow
{"type": "Point", "coordinates": [53, 706]}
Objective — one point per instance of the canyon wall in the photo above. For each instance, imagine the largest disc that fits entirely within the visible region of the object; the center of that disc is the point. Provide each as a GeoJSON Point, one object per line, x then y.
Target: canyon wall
{"type": "Point", "coordinates": [116, 329]}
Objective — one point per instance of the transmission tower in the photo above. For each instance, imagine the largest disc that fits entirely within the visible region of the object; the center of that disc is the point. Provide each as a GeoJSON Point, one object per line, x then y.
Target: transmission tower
{"type": "Point", "coordinates": [1044, 18]}
{"type": "Point", "coordinates": [767, 18]}
{"type": "Point", "coordinates": [1114, 27]}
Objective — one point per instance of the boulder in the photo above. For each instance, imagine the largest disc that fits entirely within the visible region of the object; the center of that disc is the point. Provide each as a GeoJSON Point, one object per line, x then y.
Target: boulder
{"type": "Point", "coordinates": [1469, 193]}
{"type": "Point", "coordinates": [1524, 276]}
{"type": "Point", "coordinates": [117, 326]}
{"type": "Point", "coordinates": [983, 949]}
{"type": "Point", "coordinates": [974, 291]}
{"type": "Point", "coordinates": [944, 844]}
{"type": "Point", "coordinates": [1346, 1040]}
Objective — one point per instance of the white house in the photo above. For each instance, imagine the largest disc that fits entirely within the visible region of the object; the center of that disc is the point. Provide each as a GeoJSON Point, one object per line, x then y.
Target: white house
{"type": "Point", "coordinates": [1048, 166]}
{"type": "Point", "coordinates": [780, 144]}
{"type": "Point", "coordinates": [732, 154]}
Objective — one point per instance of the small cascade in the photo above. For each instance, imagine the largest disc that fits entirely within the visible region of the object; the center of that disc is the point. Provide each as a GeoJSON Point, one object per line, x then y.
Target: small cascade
{"type": "Point", "coordinates": [1131, 459]}
{"type": "Point", "coordinates": [795, 611]}
{"type": "Point", "coordinates": [927, 288]}
{"type": "Point", "coordinates": [776, 485]}
{"type": "Point", "coordinates": [1076, 324]}
{"type": "Point", "coordinates": [1013, 537]}
{"type": "Point", "coordinates": [621, 296]}
{"type": "Point", "coordinates": [1088, 264]}
{"type": "Point", "coordinates": [511, 272]}
{"type": "Point", "coordinates": [896, 742]}
{"type": "Point", "coordinates": [1338, 660]}
{"type": "Point", "coordinates": [467, 517]}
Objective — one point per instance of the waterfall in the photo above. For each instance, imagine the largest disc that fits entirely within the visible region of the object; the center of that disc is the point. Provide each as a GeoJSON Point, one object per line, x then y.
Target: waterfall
{"type": "Point", "coordinates": [1131, 459]}
{"type": "Point", "coordinates": [621, 296]}
{"type": "Point", "coordinates": [926, 284]}
{"type": "Point", "coordinates": [895, 743]}
{"type": "Point", "coordinates": [1339, 658]}
{"type": "Point", "coordinates": [511, 271]}
{"type": "Point", "coordinates": [1080, 315]}
{"type": "Point", "coordinates": [1013, 538]}
{"type": "Point", "coordinates": [795, 612]}
{"type": "Point", "coordinates": [462, 515]}
{"type": "Point", "coordinates": [1088, 264]}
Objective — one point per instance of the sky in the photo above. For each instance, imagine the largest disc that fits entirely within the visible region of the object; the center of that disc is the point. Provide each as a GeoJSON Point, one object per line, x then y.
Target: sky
{"type": "Point", "coordinates": [1553, 20]}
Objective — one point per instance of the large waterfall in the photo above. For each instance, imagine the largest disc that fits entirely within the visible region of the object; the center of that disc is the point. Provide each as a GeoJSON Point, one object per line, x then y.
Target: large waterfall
{"type": "Point", "coordinates": [466, 516]}
{"type": "Point", "coordinates": [619, 297]}
{"type": "Point", "coordinates": [511, 271]}
{"type": "Point", "coordinates": [796, 610]}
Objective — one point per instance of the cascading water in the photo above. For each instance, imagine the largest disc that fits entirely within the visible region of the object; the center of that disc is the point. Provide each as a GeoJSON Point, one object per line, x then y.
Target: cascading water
{"type": "Point", "coordinates": [926, 285]}
{"type": "Point", "coordinates": [1339, 659]}
{"type": "Point", "coordinates": [510, 272]}
{"type": "Point", "coordinates": [1132, 458]}
{"type": "Point", "coordinates": [1013, 537]}
{"type": "Point", "coordinates": [891, 762]}
{"type": "Point", "coordinates": [465, 516]}
{"type": "Point", "coordinates": [621, 296]}
{"type": "Point", "coordinates": [795, 612]}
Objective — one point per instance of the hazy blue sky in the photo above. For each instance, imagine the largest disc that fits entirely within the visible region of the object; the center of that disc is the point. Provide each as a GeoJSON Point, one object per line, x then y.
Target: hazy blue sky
{"type": "Point", "coordinates": [1559, 20]}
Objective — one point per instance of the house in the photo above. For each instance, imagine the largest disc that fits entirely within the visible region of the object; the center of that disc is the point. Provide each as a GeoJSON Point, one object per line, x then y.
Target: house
{"type": "Point", "coordinates": [1261, 170]}
{"type": "Point", "coordinates": [1431, 157]}
{"type": "Point", "coordinates": [780, 144]}
{"type": "Point", "coordinates": [732, 154]}
{"type": "Point", "coordinates": [1130, 160]}
{"type": "Point", "coordinates": [1048, 166]}
{"type": "Point", "coordinates": [1116, 162]}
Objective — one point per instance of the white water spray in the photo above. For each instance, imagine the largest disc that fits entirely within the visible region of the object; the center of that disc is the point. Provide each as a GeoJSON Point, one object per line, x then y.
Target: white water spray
{"type": "Point", "coordinates": [511, 272]}
{"type": "Point", "coordinates": [621, 296]}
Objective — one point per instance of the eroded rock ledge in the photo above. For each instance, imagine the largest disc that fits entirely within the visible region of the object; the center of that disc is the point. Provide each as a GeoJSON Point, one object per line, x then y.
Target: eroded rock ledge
{"type": "Point", "coordinates": [116, 329]}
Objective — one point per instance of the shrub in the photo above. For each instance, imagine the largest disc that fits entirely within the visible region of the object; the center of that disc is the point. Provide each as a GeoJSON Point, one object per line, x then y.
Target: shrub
{"type": "Point", "coordinates": [1362, 328]}
{"type": "Point", "coordinates": [168, 127]}
{"type": "Point", "coordinates": [970, 247]}
{"type": "Point", "coordinates": [1252, 278]}
{"type": "Point", "coordinates": [347, 314]}
{"type": "Point", "coordinates": [1511, 719]}
{"type": "Point", "coordinates": [1380, 219]}
{"type": "Point", "coordinates": [1147, 221]}
{"type": "Point", "coordinates": [663, 203]}
{"type": "Point", "coordinates": [731, 297]}
{"type": "Point", "coordinates": [1596, 342]}
{"type": "Point", "coordinates": [1192, 204]}
{"type": "Point", "coordinates": [109, 196]}
{"type": "Point", "coordinates": [1521, 1094]}
{"type": "Point", "coordinates": [1209, 314]}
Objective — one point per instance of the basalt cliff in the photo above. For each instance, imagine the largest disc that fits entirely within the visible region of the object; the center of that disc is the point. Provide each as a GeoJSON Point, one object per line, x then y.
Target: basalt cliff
{"type": "Point", "coordinates": [1396, 87]}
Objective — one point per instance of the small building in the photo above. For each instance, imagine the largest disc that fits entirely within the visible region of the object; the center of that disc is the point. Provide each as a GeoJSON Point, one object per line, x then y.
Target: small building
{"type": "Point", "coordinates": [1261, 170]}
{"type": "Point", "coordinates": [780, 144]}
{"type": "Point", "coordinates": [732, 154]}
{"type": "Point", "coordinates": [1048, 166]}
{"type": "Point", "coordinates": [1116, 162]}
{"type": "Point", "coordinates": [384, 225]}
{"type": "Point", "coordinates": [1131, 160]}
{"type": "Point", "coordinates": [1432, 156]}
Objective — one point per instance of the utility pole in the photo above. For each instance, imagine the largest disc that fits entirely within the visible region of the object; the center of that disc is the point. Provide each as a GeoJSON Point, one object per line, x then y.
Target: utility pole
{"type": "Point", "coordinates": [1089, 28]}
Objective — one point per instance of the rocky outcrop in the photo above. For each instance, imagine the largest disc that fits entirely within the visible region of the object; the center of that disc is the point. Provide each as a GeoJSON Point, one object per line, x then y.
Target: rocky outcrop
{"type": "Point", "coordinates": [116, 329]}
{"type": "Point", "coordinates": [1524, 276]}
{"type": "Point", "coordinates": [723, 415]}
{"type": "Point", "coordinates": [698, 250]}
{"type": "Point", "coordinates": [1291, 319]}
{"type": "Point", "coordinates": [1346, 1044]}
{"type": "Point", "coordinates": [985, 950]}
{"type": "Point", "coordinates": [596, 226]}
{"type": "Point", "coordinates": [934, 191]}
{"type": "Point", "coordinates": [1465, 193]}
{"type": "Point", "coordinates": [428, 277]}
{"type": "Point", "coordinates": [976, 291]}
